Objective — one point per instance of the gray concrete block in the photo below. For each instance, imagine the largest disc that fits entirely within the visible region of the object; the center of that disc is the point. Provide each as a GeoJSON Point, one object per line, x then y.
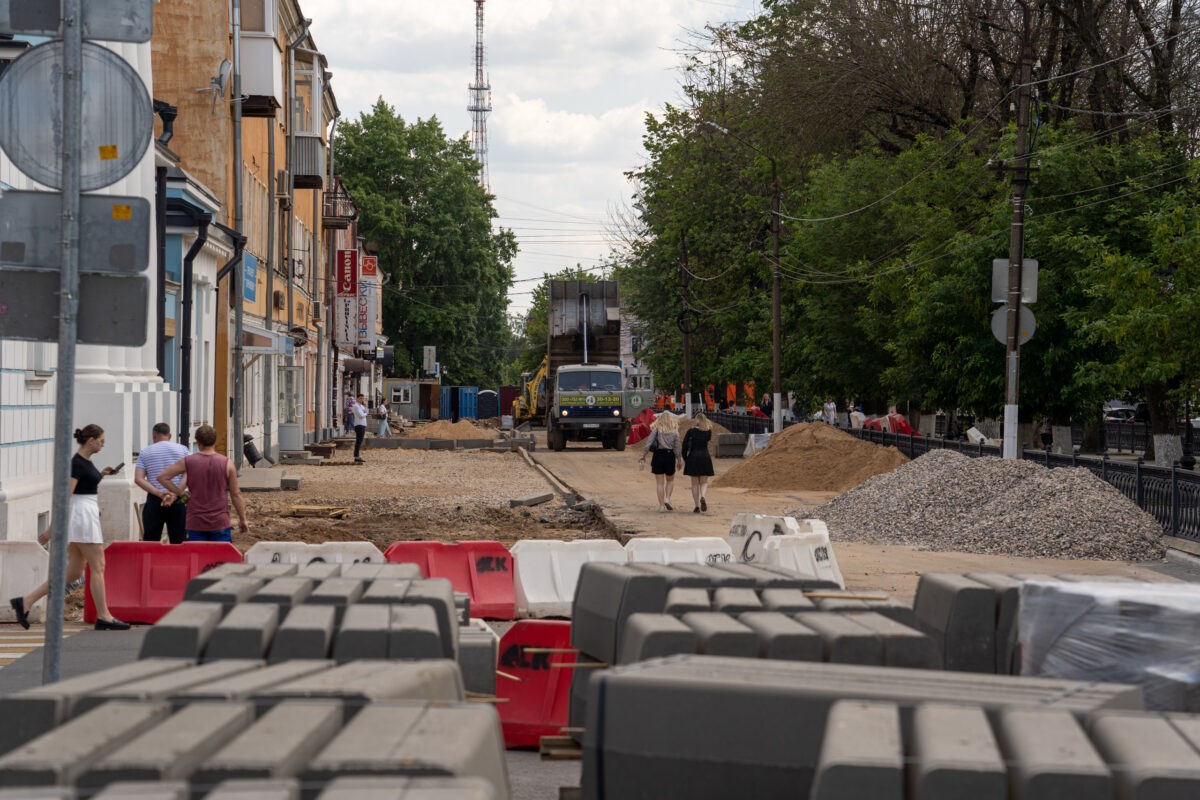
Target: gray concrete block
{"type": "Point", "coordinates": [413, 633]}
{"type": "Point", "coordinates": [280, 744]}
{"type": "Point", "coordinates": [1007, 592]}
{"type": "Point", "coordinates": [40, 793]}
{"type": "Point", "coordinates": [655, 636]}
{"type": "Point", "coordinates": [183, 632]}
{"type": "Point", "coordinates": [382, 570]}
{"type": "Point", "coordinates": [462, 607]}
{"type": "Point", "coordinates": [438, 594]}
{"type": "Point", "coordinates": [245, 632]}
{"type": "Point", "coordinates": [781, 637]}
{"type": "Point", "coordinates": [393, 788]}
{"type": "Point", "coordinates": [844, 640]}
{"type": "Point", "coordinates": [248, 684]}
{"type": "Point", "coordinates": [217, 573]}
{"type": "Point", "coordinates": [891, 608]}
{"type": "Point", "coordinates": [417, 739]}
{"type": "Point", "coordinates": [441, 444]}
{"type": "Point", "coordinates": [337, 592]}
{"type": "Point", "coordinates": [861, 753]}
{"type": "Point", "coordinates": [363, 633]}
{"type": "Point", "coordinates": [478, 646]}
{"type": "Point", "coordinates": [319, 571]}
{"type": "Point", "coordinates": [714, 578]}
{"type": "Point", "coordinates": [1050, 757]}
{"type": "Point", "coordinates": [286, 592]}
{"type": "Point", "coordinates": [28, 714]}
{"type": "Point", "coordinates": [902, 646]}
{"type": "Point", "coordinates": [681, 600]}
{"type": "Point", "coordinates": [63, 754]}
{"type": "Point", "coordinates": [719, 634]}
{"type": "Point", "coordinates": [306, 632]}
{"type": "Point", "coordinates": [269, 572]}
{"type": "Point", "coordinates": [786, 601]}
{"type": "Point", "coordinates": [472, 444]}
{"type": "Point", "coordinates": [172, 749]}
{"type": "Point", "coordinates": [385, 591]}
{"type": "Point", "coordinates": [414, 444]}
{"type": "Point", "coordinates": [730, 600]}
{"type": "Point", "coordinates": [959, 615]}
{"type": "Point", "coordinates": [167, 685]}
{"type": "Point", "coordinates": [605, 596]}
{"type": "Point", "coordinates": [1148, 756]}
{"type": "Point", "coordinates": [955, 754]}
{"type": "Point", "coordinates": [247, 789]}
{"type": "Point", "coordinates": [359, 683]}
{"type": "Point", "coordinates": [676, 577]}
{"type": "Point", "coordinates": [231, 591]}
{"type": "Point", "coordinates": [766, 578]}
{"type": "Point", "coordinates": [139, 790]}
{"type": "Point", "coordinates": [531, 500]}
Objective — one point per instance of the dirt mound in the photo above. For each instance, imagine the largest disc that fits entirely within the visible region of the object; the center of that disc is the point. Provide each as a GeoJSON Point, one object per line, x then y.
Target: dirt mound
{"type": "Point", "coordinates": [463, 429]}
{"type": "Point", "coordinates": [947, 501]}
{"type": "Point", "coordinates": [812, 457]}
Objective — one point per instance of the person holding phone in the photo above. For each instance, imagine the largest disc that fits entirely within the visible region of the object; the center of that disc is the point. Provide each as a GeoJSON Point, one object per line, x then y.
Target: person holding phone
{"type": "Point", "coordinates": [161, 508]}
{"type": "Point", "coordinates": [85, 540]}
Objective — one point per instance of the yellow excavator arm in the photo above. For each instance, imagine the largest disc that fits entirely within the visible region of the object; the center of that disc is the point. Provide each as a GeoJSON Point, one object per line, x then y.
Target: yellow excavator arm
{"type": "Point", "coordinates": [531, 402]}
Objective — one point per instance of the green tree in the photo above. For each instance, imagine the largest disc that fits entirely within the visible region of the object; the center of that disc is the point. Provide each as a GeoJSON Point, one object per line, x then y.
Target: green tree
{"type": "Point", "coordinates": [448, 270]}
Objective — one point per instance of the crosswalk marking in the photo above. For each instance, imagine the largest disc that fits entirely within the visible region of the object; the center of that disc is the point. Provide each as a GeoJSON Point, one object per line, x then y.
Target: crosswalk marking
{"type": "Point", "coordinates": [16, 642]}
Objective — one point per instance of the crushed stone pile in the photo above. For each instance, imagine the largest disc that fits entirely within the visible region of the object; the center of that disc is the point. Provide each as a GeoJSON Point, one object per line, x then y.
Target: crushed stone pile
{"type": "Point", "coordinates": [463, 429]}
{"type": "Point", "coordinates": [813, 457]}
{"type": "Point", "coordinates": [951, 502]}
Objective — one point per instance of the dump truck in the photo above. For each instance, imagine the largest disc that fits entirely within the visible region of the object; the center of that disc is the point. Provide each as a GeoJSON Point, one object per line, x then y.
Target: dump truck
{"type": "Point", "coordinates": [586, 399]}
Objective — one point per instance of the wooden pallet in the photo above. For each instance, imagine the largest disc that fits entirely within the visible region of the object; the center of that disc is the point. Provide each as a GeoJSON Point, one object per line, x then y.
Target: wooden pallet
{"type": "Point", "coordinates": [559, 748]}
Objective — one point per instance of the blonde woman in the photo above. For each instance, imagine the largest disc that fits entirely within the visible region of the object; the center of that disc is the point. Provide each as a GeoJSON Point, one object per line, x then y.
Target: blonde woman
{"type": "Point", "coordinates": [697, 463]}
{"type": "Point", "coordinates": [668, 457]}
{"type": "Point", "coordinates": [85, 541]}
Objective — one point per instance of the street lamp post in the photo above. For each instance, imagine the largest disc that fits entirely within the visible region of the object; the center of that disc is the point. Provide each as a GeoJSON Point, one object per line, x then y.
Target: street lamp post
{"type": "Point", "coordinates": [776, 288]}
{"type": "Point", "coordinates": [1188, 459]}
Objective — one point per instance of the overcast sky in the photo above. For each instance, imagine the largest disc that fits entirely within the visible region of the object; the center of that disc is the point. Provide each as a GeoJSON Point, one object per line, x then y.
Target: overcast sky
{"type": "Point", "coordinates": [571, 83]}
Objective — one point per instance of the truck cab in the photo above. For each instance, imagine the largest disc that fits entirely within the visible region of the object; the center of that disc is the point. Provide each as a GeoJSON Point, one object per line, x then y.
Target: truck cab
{"type": "Point", "coordinates": [589, 405]}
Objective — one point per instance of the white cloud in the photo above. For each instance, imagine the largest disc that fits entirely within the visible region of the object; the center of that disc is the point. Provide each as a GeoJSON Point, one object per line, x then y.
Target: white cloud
{"type": "Point", "coordinates": [572, 82]}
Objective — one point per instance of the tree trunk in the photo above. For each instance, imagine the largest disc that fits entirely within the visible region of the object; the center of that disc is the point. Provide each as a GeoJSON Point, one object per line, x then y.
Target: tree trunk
{"type": "Point", "coordinates": [1162, 414]}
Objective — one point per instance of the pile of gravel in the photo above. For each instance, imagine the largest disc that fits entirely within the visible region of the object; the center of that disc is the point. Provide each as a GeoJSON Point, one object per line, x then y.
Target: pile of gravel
{"type": "Point", "coordinates": [947, 501]}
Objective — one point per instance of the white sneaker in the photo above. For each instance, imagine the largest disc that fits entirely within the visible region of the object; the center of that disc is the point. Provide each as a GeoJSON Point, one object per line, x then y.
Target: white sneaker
{"type": "Point", "coordinates": [662, 509]}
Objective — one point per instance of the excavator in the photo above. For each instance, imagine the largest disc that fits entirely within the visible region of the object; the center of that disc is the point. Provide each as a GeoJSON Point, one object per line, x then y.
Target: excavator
{"type": "Point", "coordinates": [530, 405]}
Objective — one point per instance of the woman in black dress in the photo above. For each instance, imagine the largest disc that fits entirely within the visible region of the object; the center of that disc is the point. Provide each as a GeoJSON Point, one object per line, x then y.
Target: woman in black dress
{"type": "Point", "coordinates": [697, 463]}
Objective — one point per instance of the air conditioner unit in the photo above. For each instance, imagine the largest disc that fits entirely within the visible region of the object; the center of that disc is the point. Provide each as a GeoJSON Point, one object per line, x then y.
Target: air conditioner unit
{"type": "Point", "coordinates": [280, 300]}
{"type": "Point", "coordinates": [318, 309]}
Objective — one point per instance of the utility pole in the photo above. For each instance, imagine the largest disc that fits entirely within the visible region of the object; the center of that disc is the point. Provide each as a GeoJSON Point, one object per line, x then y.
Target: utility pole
{"type": "Point", "coordinates": [1016, 242]}
{"type": "Point", "coordinates": [686, 330]}
{"type": "Point", "coordinates": [776, 314]}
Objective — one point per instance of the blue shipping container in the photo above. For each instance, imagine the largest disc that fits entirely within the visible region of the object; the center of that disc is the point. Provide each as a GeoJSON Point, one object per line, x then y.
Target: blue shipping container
{"type": "Point", "coordinates": [468, 402]}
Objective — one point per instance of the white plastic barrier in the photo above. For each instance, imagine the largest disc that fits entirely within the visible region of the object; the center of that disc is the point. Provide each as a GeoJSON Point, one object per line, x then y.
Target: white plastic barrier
{"type": "Point", "coordinates": [857, 418]}
{"type": "Point", "coordinates": [687, 550]}
{"type": "Point", "coordinates": [748, 531]}
{"type": "Point", "coordinates": [755, 442]}
{"type": "Point", "coordinates": [23, 567]}
{"type": "Point", "coordinates": [806, 553]}
{"type": "Point", "coordinates": [546, 571]}
{"type": "Point", "coordinates": [301, 553]}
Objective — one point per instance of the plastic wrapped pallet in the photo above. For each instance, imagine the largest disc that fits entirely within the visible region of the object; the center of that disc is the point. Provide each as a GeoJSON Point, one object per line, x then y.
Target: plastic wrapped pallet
{"type": "Point", "coordinates": [1139, 633]}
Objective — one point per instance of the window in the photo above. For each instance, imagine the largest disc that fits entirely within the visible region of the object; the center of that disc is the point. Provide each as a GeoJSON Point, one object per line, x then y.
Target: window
{"type": "Point", "coordinates": [589, 381]}
{"type": "Point", "coordinates": [254, 15]}
{"type": "Point", "coordinates": [306, 104]}
{"type": "Point", "coordinates": [402, 395]}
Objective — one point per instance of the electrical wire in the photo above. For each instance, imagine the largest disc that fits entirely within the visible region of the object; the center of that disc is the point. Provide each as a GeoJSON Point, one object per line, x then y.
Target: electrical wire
{"type": "Point", "coordinates": [1102, 64]}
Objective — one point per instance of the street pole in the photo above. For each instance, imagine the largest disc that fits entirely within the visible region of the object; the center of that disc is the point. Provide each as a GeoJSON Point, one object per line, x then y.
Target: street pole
{"type": "Point", "coordinates": [1016, 243]}
{"type": "Point", "coordinates": [776, 314]}
{"type": "Point", "coordinates": [239, 323]}
{"type": "Point", "coordinates": [68, 328]}
{"type": "Point", "coordinates": [686, 330]}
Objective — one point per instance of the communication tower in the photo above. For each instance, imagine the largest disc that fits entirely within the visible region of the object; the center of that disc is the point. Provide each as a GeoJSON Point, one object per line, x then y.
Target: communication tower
{"type": "Point", "coordinates": [481, 100]}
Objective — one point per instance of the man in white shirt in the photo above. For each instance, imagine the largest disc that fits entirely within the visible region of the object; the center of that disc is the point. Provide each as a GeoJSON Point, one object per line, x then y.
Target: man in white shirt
{"type": "Point", "coordinates": [359, 410]}
{"type": "Point", "coordinates": [830, 411]}
{"type": "Point", "coordinates": [155, 513]}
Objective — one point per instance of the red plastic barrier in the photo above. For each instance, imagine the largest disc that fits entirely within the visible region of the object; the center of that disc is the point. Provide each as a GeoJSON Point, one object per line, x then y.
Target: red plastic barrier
{"type": "Point", "coordinates": [483, 570]}
{"type": "Point", "coordinates": [637, 432]}
{"type": "Point", "coordinates": [872, 424]}
{"type": "Point", "coordinates": [900, 425]}
{"type": "Point", "coordinates": [537, 705]}
{"type": "Point", "coordinates": [145, 580]}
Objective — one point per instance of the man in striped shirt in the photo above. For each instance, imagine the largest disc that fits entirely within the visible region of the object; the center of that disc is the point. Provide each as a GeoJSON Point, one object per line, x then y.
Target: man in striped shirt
{"type": "Point", "coordinates": [151, 461]}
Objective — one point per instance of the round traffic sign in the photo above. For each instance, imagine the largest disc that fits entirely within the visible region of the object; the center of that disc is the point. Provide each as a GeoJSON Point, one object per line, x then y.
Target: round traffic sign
{"type": "Point", "coordinates": [1026, 325]}
{"type": "Point", "coordinates": [117, 120]}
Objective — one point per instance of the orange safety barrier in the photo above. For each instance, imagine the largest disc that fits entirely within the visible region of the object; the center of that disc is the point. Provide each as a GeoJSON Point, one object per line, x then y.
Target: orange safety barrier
{"type": "Point", "coordinates": [535, 695]}
{"type": "Point", "coordinates": [481, 569]}
{"type": "Point", "coordinates": [145, 580]}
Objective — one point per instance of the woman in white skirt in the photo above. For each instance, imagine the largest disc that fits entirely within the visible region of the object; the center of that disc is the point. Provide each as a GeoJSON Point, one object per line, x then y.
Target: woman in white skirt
{"type": "Point", "coordinates": [85, 541]}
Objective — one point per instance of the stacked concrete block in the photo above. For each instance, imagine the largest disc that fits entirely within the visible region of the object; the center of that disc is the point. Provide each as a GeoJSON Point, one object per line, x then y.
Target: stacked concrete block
{"type": "Point", "coordinates": [719, 634]}
{"type": "Point", "coordinates": [848, 601]}
{"type": "Point", "coordinates": [681, 600]}
{"type": "Point", "coordinates": [843, 640]}
{"type": "Point", "coordinates": [786, 601]}
{"type": "Point", "coordinates": [245, 632]}
{"type": "Point", "coordinates": [655, 635]}
{"type": "Point", "coordinates": [217, 573]}
{"type": "Point", "coordinates": [249, 684]}
{"type": "Point", "coordinates": [675, 576]}
{"type": "Point", "coordinates": [478, 646]}
{"type": "Point", "coordinates": [730, 600]}
{"type": "Point", "coordinates": [1051, 756]}
{"type": "Point", "coordinates": [715, 578]}
{"type": "Point", "coordinates": [413, 633]}
{"type": "Point", "coordinates": [605, 597]}
{"type": "Point", "coordinates": [392, 788]}
{"type": "Point", "coordinates": [438, 594]}
{"type": "Point", "coordinates": [861, 754]}
{"type": "Point", "coordinates": [139, 790]}
{"type": "Point", "coordinates": [337, 592]}
{"type": "Point", "coordinates": [766, 577]}
{"type": "Point", "coordinates": [286, 592]}
{"type": "Point", "coordinates": [306, 632]}
{"type": "Point", "coordinates": [319, 571]}
{"type": "Point", "coordinates": [374, 571]}
{"type": "Point", "coordinates": [183, 632]}
{"type": "Point", "coordinates": [955, 754]}
{"type": "Point", "coordinates": [1007, 593]}
{"type": "Point", "coordinates": [167, 685]}
{"type": "Point", "coordinates": [269, 572]}
{"type": "Point", "coordinates": [279, 789]}
{"type": "Point", "coordinates": [28, 714]}
{"type": "Point", "coordinates": [360, 683]}
{"type": "Point", "coordinates": [959, 614]}
{"type": "Point", "coordinates": [1149, 755]}
{"type": "Point", "coordinates": [363, 633]}
{"type": "Point", "coordinates": [781, 637]}
{"type": "Point", "coordinates": [280, 744]}
{"type": "Point", "coordinates": [228, 592]}
{"type": "Point", "coordinates": [902, 645]}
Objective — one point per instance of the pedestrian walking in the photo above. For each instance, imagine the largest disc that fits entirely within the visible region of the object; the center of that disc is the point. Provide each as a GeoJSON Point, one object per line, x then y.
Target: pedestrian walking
{"type": "Point", "coordinates": [160, 509]}
{"type": "Point", "coordinates": [667, 457]}
{"type": "Point", "coordinates": [348, 414]}
{"type": "Point", "coordinates": [359, 410]}
{"type": "Point", "coordinates": [85, 540]}
{"type": "Point", "coordinates": [385, 429]}
{"type": "Point", "coordinates": [829, 411]}
{"type": "Point", "coordinates": [211, 484]}
{"type": "Point", "coordinates": [697, 463]}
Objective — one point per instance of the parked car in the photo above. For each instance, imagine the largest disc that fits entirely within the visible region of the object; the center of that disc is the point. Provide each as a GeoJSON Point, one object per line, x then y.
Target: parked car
{"type": "Point", "coordinates": [1115, 411]}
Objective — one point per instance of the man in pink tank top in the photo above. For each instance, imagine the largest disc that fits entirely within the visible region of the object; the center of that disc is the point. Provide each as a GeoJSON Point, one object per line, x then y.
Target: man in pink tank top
{"type": "Point", "coordinates": [211, 483]}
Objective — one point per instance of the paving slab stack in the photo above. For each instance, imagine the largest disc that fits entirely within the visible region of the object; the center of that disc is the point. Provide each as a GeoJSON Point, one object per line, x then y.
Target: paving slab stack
{"type": "Point", "coordinates": [717, 727]}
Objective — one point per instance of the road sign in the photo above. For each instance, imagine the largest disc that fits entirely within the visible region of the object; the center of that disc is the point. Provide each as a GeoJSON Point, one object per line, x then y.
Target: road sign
{"type": "Point", "coordinates": [114, 232]}
{"type": "Point", "coordinates": [112, 308]}
{"type": "Point", "coordinates": [1029, 280]}
{"type": "Point", "coordinates": [1026, 325]}
{"type": "Point", "coordinates": [429, 360]}
{"type": "Point", "coordinates": [117, 116]}
{"type": "Point", "coordinates": [108, 20]}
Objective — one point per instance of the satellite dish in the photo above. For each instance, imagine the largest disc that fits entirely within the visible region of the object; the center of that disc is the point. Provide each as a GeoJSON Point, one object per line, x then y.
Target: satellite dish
{"type": "Point", "coordinates": [221, 80]}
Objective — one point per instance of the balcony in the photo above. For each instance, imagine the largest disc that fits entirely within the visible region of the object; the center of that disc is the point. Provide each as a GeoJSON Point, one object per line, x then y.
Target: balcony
{"type": "Point", "coordinates": [308, 161]}
{"type": "Point", "coordinates": [338, 210]}
{"type": "Point", "coordinates": [262, 75]}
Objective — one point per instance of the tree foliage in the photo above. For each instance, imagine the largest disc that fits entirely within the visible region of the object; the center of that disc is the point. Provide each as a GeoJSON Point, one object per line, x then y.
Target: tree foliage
{"type": "Point", "coordinates": [448, 272]}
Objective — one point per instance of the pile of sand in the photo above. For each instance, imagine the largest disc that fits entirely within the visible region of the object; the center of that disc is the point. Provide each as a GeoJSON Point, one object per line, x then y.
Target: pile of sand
{"type": "Point", "coordinates": [812, 457]}
{"type": "Point", "coordinates": [463, 429]}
